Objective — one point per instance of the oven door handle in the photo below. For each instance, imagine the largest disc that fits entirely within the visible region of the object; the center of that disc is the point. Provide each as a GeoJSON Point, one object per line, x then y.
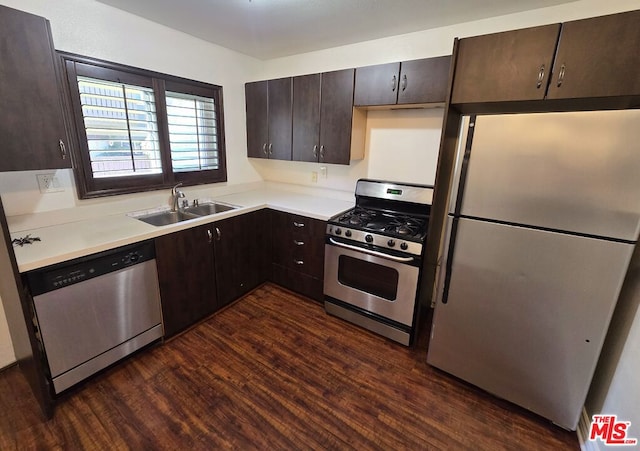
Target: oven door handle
{"type": "Point", "coordinates": [370, 252]}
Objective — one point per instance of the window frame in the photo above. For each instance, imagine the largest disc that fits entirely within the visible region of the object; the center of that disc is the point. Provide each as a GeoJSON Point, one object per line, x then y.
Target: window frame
{"type": "Point", "coordinates": [88, 186]}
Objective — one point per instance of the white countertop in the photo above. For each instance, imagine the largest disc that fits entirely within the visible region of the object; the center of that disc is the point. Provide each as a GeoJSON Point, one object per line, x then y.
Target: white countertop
{"type": "Point", "coordinates": [71, 240]}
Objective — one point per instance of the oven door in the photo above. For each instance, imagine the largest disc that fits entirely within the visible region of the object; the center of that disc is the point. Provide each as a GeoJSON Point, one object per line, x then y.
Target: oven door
{"type": "Point", "coordinates": [372, 281]}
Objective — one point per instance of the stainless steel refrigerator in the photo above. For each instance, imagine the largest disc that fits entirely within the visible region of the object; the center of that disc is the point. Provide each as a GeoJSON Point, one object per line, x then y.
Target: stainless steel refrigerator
{"type": "Point", "coordinates": [544, 214]}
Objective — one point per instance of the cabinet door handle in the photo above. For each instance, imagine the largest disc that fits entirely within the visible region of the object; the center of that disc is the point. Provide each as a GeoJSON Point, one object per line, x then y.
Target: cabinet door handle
{"type": "Point", "coordinates": [404, 82]}
{"type": "Point", "coordinates": [540, 77]}
{"type": "Point", "coordinates": [298, 224]}
{"type": "Point", "coordinates": [315, 151]}
{"type": "Point", "coordinates": [394, 83]}
{"type": "Point", "coordinates": [271, 149]}
{"type": "Point", "coordinates": [298, 242]}
{"type": "Point", "coordinates": [322, 151]}
{"type": "Point", "coordinates": [63, 149]}
{"type": "Point", "coordinates": [561, 75]}
{"type": "Point", "coordinates": [264, 148]}
{"type": "Point", "coordinates": [299, 262]}
{"type": "Point", "coordinates": [210, 236]}
{"type": "Point", "coordinates": [218, 234]}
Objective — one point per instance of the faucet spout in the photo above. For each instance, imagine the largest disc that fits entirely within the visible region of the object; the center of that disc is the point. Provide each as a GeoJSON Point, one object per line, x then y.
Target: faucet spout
{"type": "Point", "coordinates": [176, 194]}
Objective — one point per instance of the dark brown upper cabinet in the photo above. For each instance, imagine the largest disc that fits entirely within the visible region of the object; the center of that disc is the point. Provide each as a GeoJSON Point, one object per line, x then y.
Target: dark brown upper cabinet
{"type": "Point", "coordinates": [32, 125]}
{"type": "Point", "coordinates": [325, 127]}
{"type": "Point", "coordinates": [268, 106]}
{"type": "Point", "coordinates": [306, 117]}
{"type": "Point", "coordinates": [598, 57]}
{"type": "Point", "coordinates": [583, 59]}
{"type": "Point", "coordinates": [377, 85]}
{"type": "Point", "coordinates": [508, 66]}
{"type": "Point", "coordinates": [409, 82]}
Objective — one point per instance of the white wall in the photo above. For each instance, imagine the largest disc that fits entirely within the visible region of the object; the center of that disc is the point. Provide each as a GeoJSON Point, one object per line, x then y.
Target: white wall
{"type": "Point", "coordinates": [615, 389]}
{"type": "Point", "coordinates": [90, 28]}
{"type": "Point", "coordinates": [416, 45]}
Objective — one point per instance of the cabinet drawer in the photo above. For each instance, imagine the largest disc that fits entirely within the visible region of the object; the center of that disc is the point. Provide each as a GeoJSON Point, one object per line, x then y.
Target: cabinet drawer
{"type": "Point", "coordinates": [299, 282]}
{"type": "Point", "coordinates": [300, 253]}
{"type": "Point", "coordinates": [298, 243]}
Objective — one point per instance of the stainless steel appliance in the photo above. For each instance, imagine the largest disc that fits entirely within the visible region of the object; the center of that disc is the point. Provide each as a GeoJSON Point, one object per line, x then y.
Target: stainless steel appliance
{"type": "Point", "coordinates": [544, 217]}
{"type": "Point", "coordinates": [95, 310]}
{"type": "Point", "coordinates": [373, 256]}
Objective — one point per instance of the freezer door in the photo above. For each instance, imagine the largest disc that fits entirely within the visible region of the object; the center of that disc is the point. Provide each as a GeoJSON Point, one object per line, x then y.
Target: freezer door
{"type": "Point", "coordinates": [573, 171]}
{"type": "Point", "coordinates": [526, 314]}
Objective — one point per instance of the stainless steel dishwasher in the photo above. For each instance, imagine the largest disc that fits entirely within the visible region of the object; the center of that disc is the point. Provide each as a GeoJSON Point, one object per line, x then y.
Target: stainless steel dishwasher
{"type": "Point", "coordinates": [95, 310]}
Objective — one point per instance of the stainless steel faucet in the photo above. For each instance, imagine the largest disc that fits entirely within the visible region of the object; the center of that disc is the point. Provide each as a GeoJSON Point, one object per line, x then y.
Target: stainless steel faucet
{"type": "Point", "coordinates": [176, 194]}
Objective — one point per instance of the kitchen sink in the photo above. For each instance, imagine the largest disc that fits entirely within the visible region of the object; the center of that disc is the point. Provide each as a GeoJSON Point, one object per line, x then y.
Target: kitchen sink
{"type": "Point", "coordinates": [166, 217]}
{"type": "Point", "coordinates": [208, 208]}
{"type": "Point", "coordinates": [172, 217]}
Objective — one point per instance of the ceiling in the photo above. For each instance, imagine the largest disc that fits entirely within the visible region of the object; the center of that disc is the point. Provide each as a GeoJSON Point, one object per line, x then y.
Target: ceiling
{"type": "Point", "coordinates": [268, 29]}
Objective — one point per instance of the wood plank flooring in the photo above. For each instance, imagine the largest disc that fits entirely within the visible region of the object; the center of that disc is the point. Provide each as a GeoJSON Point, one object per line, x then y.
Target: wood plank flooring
{"type": "Point", "coordinates": [274, 372]}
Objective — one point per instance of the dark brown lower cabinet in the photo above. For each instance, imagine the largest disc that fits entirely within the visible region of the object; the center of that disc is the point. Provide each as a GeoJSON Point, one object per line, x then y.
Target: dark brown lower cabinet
{"type": "Point", "coordinates": [186, 273]}
{"type": "Point", "coordinates": [242, 254]}
{"type": "Point", "coordinates": [298, 253]}
{"type": "Point", "coordinates": [204, 268]}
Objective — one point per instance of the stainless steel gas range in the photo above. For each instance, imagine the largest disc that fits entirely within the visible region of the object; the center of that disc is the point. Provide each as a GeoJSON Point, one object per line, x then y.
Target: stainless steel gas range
{"type": "Point", "coordinates": [373, 257]}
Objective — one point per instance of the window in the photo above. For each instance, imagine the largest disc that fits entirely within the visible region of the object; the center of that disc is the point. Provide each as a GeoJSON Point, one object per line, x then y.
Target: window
{"type": "Point", "coordinates": [193, 134]}
{"type": "Point", "coordinates": [139, 130]}
{"type": "Point", "coordinates": [121, 128]}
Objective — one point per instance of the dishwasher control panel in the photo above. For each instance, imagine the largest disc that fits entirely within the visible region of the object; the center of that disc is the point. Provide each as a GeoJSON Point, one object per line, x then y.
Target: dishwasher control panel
{"type": "Point", "coordinates": [68, 273]}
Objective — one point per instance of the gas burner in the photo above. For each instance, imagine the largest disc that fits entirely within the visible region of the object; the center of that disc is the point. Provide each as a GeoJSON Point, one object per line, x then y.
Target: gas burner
{"type": "Point", "coordinates": [357, 217]}
{"type": "Point", "coordinates": [406, 226]}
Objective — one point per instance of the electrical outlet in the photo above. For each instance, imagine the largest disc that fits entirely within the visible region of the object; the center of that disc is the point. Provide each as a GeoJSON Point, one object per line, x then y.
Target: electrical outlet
{"type": "Point", "coordinates": [323, 172]}
{"type": "Point", "coordinates": [48, 183]}
{"type": "Point", "coordinates": [314, 177]}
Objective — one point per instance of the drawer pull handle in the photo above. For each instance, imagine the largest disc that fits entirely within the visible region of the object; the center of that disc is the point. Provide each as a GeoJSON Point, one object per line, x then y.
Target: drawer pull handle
{"type": "Point", "coordinates": [299, 262]}
{"type": "Point", "coordinates": [404, 82]}
{"type": "Point", "coordinates": [63, 149]}
{"type": "Point", "coordinates": [264, 148]}
{"type": "Point", "coordinates": [298, 242]}
{"type": "Point", "coordinates": [210, 235]}
{"type": "Point", "coordinates": [561, 75]}
{"type": "Point", "coordinates": [315, 151]}
{"type": "Point", "coordinates": [540, 77]}
{"type": "Point", "coordinates": [394, 83]}
{"type": "Point", "coordinates": [218, 234]}
{"type": "Point", "coordinates": [271, 149]}
{"type": "Point", "coordinates": [298, 224]}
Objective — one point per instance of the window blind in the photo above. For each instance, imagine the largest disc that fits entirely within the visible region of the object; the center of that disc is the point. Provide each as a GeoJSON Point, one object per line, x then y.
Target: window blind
{"type": "Point", "coordinates": [121, 127]}
{"type": "Point", "coordinates": [193, 134]}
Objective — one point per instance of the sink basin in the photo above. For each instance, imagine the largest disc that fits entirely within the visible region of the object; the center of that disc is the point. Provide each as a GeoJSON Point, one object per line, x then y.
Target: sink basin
{"type": "Point", "coordinates": [166, 217]}
{"type": "Point", "coordinates": [208, 208]}
{"type": "Point", "coordinates": [171, 217]}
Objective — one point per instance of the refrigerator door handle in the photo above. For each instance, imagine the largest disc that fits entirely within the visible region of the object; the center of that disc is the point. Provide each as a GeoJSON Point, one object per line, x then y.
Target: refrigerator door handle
{"type": "Point", "coordinates": [464, 146]}
{"type": "Point", "coordinates": [443, 268]}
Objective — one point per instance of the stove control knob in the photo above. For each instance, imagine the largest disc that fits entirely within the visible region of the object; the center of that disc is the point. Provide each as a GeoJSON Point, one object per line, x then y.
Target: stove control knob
{"type": "Point", "coordinates": [404, 246]}
{"type": "Point", "coordinates": [368, 238]}
{"type": "Point", "coordinates": [338, 231]}
{"type": "Point", "coordinates": [347, 233]}
{"type": "Point", "coordinates": [391, 243]}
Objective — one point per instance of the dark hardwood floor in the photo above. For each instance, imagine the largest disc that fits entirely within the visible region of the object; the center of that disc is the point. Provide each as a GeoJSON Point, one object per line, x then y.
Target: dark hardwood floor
{"type": "Point", "coordinates": [274, 372]}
